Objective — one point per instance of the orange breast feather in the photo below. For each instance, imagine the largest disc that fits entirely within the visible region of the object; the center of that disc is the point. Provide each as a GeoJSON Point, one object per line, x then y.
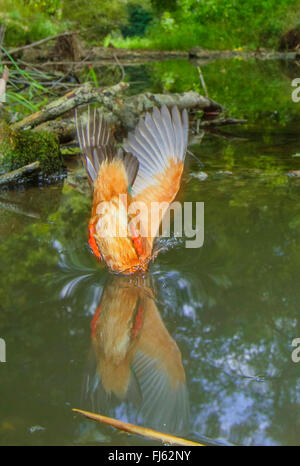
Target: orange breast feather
{"type": "Point", "coordinates": [150, 170]}
{"type": "Point", "coordinates": [110, 217]}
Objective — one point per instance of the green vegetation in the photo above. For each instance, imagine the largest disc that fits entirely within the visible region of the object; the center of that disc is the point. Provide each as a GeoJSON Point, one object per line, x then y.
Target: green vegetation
{"type": "Point", "coordinates": [261, 94]}
{"type": "Point", "coordinates": [138, 20]}
{"type": "Point", "coordinates": [96, 19]}
{"type": "Point", "coordinates": [216, 24]}
{"type": "Point", "coordinates": [242, 286]}
{"type": "Point", "coordinates": [153, 24]}
{"type": "Point", "coordinates": [19, 148]}
{"type": "Point", "coordinates": [232, 306]}
{"type": "Point", "coordinates": [27, 21]}
{"type": "Point", "coordinates": [31, 20]}
{"type": "Point", "coordinates": [33, 96]}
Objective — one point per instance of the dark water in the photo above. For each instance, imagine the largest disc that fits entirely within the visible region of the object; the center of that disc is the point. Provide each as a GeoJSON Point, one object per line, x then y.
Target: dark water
{"type": "Point", "coordinates": [201, 347]}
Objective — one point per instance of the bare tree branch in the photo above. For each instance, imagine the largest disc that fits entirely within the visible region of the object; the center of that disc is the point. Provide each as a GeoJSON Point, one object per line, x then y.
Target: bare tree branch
{"type": "Point", "coordinates": [34, 44]}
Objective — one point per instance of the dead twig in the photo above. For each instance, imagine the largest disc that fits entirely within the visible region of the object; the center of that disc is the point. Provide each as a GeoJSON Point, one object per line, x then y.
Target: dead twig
{"type": "Point", "coordinates": [16, 175]}
{"type": "Point", "coordinates": [121, 67]}
{"type": "Point", "coordinates": [34, 44]}
{"type": "Point", "coordinates": [222, 122]}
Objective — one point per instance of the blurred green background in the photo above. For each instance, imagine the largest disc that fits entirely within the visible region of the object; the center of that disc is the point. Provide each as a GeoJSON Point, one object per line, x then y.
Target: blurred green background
{"type": "Point", "coordinates": [154, 24]}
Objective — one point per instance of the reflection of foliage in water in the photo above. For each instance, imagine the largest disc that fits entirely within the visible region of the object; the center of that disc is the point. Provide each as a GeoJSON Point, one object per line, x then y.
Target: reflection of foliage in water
{"type": "Point", "coordinates": [235, 318]}
{"type": "Point", "coordinates": [257, 90]}
{"type": "Point", "coordinates": [231, 306]}
{"type": "Point", "coordinates": [33, 245]}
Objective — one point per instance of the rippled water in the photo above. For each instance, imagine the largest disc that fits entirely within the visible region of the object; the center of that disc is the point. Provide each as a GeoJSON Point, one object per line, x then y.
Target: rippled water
{"type": "Point", "coordinates": [201, 347]}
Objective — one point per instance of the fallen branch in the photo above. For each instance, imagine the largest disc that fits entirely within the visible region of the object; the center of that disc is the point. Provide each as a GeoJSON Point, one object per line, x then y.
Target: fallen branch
{"type": "Point", "coordinates": [130, 109]}
{"type": "Point", "coordinates": [82, 95]}
{"type": "Point", "coordinates": [34, 44]}
{"type": "Point", "coordinates": [16, 175]}
{"type": "Point", "coordinates": [222, 122]}
{"type": "Point", "coordinates": [124, 114]}
{"type": "Point", "coordinates": [63, 129]}
{"type": "Point", "coordinates": [203, 56]}
{"type": "Point", "coordinates": [187, 100]}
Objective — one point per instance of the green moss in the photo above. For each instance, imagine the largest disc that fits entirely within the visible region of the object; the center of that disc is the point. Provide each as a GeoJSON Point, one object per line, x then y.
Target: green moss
{"type": "Point", "coordinates": [19, 148]}
{"type": "Point", "coordinates": [5, 146]}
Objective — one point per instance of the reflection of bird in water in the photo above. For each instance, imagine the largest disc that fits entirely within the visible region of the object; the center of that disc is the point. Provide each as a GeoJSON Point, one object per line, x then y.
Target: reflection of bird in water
{"type": "Point", "coordinates": [137, 373]}
{"type": "Point", "coordinates": [124, 184]}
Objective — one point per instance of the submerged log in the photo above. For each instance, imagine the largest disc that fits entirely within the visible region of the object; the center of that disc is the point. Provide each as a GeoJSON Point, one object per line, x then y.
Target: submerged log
{"type": "Point", "coordinates": [222, 122]}
{"type": "Point", "coordinates": [21, 173]}
{"type": "Point", "coordinates": [82, 95]}
{"type": "Point", "coordinates": [203, 56]}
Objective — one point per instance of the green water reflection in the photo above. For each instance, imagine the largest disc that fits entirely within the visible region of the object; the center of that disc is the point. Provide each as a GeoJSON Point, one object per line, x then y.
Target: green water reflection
{"type": "Point", "coordinates": [209, 354]}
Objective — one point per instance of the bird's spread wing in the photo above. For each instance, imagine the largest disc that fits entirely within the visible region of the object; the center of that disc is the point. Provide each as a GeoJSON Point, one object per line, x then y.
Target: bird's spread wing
{"type": "Point", "coordinates": [159, 143]}
{"type": "Point", "coordinates": [97, 145]}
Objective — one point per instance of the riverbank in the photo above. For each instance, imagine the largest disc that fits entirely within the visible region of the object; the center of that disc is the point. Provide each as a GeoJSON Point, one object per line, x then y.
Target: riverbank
{"type": "Point", "coordinates": [67, 49]}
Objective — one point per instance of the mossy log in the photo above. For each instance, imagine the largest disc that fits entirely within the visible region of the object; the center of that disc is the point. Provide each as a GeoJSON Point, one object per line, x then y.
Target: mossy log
{"type": "Point", "coordinates": [203, 56]}
{"type": "Point", "coordinates": [120, 112]}
{"type": "Point", "coordinates": [37, 137]}
{"type": "Point", "coordinates": [129, 111]}
{"type": "Point", "coordinates": [82, 95]}
{"type": "Point", "coordinates": [124, 113]}
{"type": "Point", "coordinates": [19, 148]}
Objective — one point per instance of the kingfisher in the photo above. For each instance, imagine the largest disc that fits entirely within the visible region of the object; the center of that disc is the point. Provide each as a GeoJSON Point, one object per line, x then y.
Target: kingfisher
{"type": "Point", "coordinates": [126, 181]}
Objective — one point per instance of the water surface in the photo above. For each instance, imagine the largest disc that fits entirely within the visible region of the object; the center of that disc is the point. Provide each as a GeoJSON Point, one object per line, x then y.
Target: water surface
{"type": "Point", "coordinates": [207, 334]}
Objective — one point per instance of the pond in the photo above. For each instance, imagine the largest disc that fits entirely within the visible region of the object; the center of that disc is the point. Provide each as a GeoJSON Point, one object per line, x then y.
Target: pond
{"type": "Point", "coordinates": [202, 346]}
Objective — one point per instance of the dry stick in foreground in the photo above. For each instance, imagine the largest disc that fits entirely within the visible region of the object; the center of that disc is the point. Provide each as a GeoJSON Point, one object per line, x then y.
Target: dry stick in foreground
{"type": "Point", "coordinates": [3, 82]}
{"type": "Point", "coordinates": [137, 430]}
